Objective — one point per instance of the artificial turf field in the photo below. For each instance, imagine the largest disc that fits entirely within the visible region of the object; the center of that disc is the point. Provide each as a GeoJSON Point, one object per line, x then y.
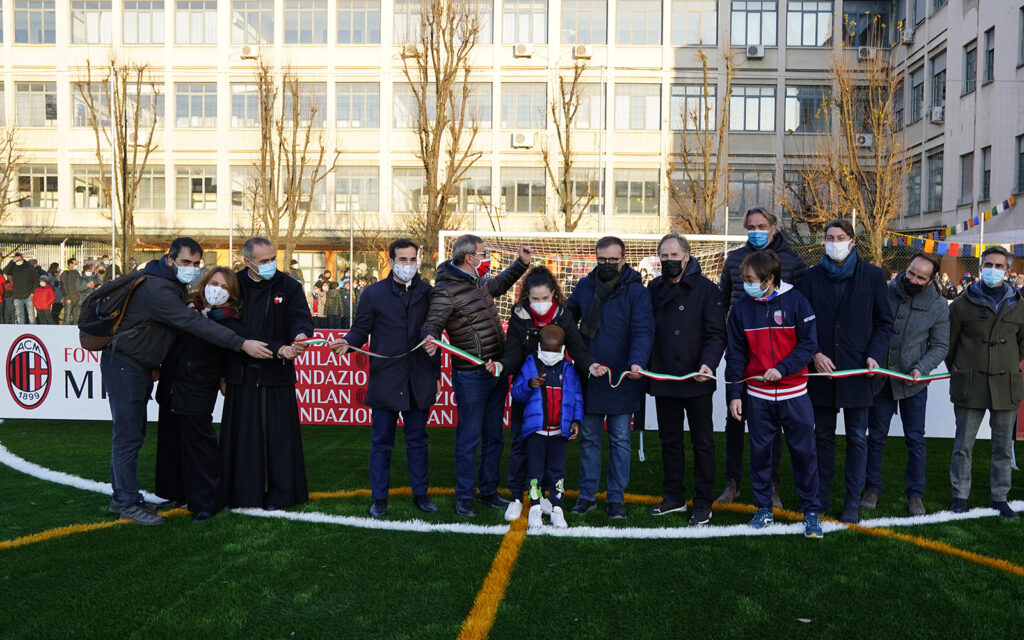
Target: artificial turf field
{"type": "Point", "coordinates": [239, 576]}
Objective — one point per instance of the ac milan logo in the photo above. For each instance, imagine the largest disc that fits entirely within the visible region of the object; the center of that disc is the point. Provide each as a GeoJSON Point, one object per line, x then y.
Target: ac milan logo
{"type": "Point", "coordinates": [28, 371]}
{"type": "Point", "coordinates": [778, 317]}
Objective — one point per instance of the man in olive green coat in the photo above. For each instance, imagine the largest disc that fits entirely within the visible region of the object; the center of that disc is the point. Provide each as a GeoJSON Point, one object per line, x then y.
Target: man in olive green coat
{"type": "Point", "coordinates": [986, 328]}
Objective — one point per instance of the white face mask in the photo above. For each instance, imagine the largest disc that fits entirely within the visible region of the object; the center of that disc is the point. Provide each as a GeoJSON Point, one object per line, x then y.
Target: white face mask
{"type": "Point", "coordinates": [550, 358]}
{"type": "Point", "coordinates": [215, 295]}
{"type": "Point", "coordinates": [540, 308]}
{"type": "Point", "coordinates": [405, 272]}
{"type": "Point", "coordinates": [838, 251]}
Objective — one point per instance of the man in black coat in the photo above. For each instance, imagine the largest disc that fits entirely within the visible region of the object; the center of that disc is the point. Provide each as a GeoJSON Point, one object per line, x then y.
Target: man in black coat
{"type": "Point", "coordinates": [69, 292]}
{"type": "Point", "coordinates": [261, 442]}
{"type": "Point", "coordinates": [762, 233]}
{"type": "Point", "coordinates": [23, 276]}
{"type": "Point", "coordinates": [689, 335]}
{"type": "Point", "coordinates": [391, 313]}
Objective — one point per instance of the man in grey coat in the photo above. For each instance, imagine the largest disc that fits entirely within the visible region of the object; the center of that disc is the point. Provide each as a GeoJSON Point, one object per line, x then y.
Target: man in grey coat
{"type": "Point", "coordinates": [920, 341]}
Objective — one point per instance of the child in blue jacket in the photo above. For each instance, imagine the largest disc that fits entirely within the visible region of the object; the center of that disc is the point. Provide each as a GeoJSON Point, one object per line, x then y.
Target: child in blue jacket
{"type": "Point", "coordinates": [772, 337]}
{"type": "Point", "coordinates": [550, 389]}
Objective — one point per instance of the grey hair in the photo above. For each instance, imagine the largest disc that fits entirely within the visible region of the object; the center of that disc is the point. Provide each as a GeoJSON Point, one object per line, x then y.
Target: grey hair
{"type": "Point", "coordinates": [465, 245]}
{"type": "Point", "coordinates": [252, 243]}
{"type": "Point", "coordinates": [683, 243]}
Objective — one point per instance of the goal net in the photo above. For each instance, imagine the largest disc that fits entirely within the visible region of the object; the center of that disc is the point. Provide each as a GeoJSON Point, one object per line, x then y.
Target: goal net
{"type": "Point", "coordinates": [570, 256]}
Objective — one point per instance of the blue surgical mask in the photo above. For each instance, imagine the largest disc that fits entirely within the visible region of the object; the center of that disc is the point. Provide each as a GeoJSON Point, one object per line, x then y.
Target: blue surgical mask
{"type": "Point", "coordinates": [757, 238]}
{"type": "Point", "coordinates": [753, 289]}
{"type": "Point", "coordinates": [187, 274]}
{"type": "Point", "coordinates": [268, 270]}
{"type": "Point", "coordinates": [992, 277]}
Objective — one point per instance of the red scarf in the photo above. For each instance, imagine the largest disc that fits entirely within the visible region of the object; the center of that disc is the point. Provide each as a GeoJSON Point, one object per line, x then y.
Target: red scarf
{"type": "Point", "coordinates": [545, 319]}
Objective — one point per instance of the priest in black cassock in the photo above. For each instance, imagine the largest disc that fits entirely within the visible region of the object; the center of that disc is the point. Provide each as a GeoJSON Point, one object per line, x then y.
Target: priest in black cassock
{"type": "Point", "coordinates": [261, 442]}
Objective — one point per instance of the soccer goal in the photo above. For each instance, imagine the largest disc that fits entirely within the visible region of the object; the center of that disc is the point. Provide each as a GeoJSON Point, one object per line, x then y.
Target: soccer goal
{"type": "Point", "coordinates": [571, 255]}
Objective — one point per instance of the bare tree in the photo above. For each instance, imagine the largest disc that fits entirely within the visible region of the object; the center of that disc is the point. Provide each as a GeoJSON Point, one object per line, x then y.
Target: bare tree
{"type": "Point", "coordinates": [859, 164]}
{"type": "Point", "coordinates": [121, 106]}
{"type": "Point", "coordinates": [436, 65]}
{"type": "Point", "coordinates": [703, 159]}
{"type": "Point", "coordinates": [11, 160]}
{"type": "Point", "coordinates": [293, 162]}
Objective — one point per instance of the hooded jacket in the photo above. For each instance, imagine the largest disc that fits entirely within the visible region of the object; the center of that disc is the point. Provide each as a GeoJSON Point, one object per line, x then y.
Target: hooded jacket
{"type": "Point", "coordinates": [533, 412]}
{"type": "Point", "coordinates": [731, 282]}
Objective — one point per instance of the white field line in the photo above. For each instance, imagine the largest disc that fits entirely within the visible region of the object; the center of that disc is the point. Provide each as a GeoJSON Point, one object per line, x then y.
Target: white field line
{"type": "Point", "coordinates": [674, 533]}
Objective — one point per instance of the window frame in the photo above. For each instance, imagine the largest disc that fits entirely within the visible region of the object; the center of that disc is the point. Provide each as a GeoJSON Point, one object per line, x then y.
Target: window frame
{"type": "Point", "coordinates": [366, 175]}
{"type": "Point", "coordinates": [191, 173]}
{"type": "Point", "coordinates": [310, 18]}
{"type": "Point", "coordinates": [369, 96]}
{"type": "Point", "coordinates": [244, 13]}
{"type": "Point", "coordinates": [764, 7]}
{"type": "Point", "coordinates": [735, 112]}
{"type": "Point", "coordinates": [684, 17]}
{"type": "Point", "coordinates": [156, 18]}
{"type": "Point", "coordinates": [185, 15]}
{"type": "Point", "coordinates": [970, 82]}
{"type": "Point", "coordinates": [637, 98]}
{"type": "Point", "coordinates": [46, 198]}
{"type": "Point", "coordinates": [513, 91]}
{"type": "Point", "coordinates": [639, 11]}
{"type": "Point", "coordinates": [596, 14]}
{"type": "Point", "coordinates": [799, 10]}
{"type": "Point", "coordinates": [206, 121]}
{"type": "Point", "coordinates": [636, 176]}
{"type": "Point", "coordinates": [95, 17]}
{"type": "Point", "coordinates": [513, 13]}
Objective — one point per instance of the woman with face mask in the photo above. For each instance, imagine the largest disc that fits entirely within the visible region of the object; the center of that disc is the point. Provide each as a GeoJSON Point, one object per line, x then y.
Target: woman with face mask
{"type": "Point", "coordinates": [188, 465]}
{"type": "Point", "coordinates": [540, 303]}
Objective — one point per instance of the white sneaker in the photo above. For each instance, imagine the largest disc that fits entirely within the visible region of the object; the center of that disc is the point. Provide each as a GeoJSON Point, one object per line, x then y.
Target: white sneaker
{"type": "Point", "coordinates": [545, 506]}
{"type": "Point", "coordinates": [514, 510]}
{"type": "Point", "coordinates": [534, 519]}
{"type": "Point", "coordinates": [558, 518]}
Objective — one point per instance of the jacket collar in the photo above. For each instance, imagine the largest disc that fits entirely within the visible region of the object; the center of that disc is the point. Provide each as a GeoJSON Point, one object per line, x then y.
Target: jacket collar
{"type": "Point", "coordinates": [1010, 296]}
{"type": "Point", "coordinates": [921, 301]}
{"type": "Point", "coordinates": [159, 269]}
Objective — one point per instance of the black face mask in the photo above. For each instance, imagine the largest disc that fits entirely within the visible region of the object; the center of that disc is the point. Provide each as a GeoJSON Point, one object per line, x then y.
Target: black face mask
{"type": "Point", "coordinates": [606, 271]}
{"type": "Point", "coordinates": [911, 288]}
{"type": "Point", "coordinates": [671, 269]}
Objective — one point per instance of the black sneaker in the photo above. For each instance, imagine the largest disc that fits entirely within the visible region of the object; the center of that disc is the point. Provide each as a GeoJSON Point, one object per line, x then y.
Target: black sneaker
{"type": "Point", "coordinates": [424, 503]}
{"type": "Point", "coordinates": [114, 507]}
{"type": "Point", "coordinates": [494, 500]}
{"type": "Point", "coordinates": [667, 505]}
{"type": "Point", "coordinates": [141, 513]}
{"type": "Point", "coordinates": [701, 515]}
{"type": "Point", "coordinates": [202, 516]}
{"type": "Point", "coordinates": [379, 508]}
{"type": "Point", "coordinates": [465, 507]}
{"type": "Point", "coordinates": [616, 511]}
{"type": "Point", "coordinates": [1004, 509]}
{"type": "Point", "coordinates": [583, 506]}
{"type": "Point", "coordinates": [959, 505]}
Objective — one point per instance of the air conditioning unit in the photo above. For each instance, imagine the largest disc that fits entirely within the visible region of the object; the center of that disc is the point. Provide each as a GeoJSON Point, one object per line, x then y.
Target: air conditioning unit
{"type": "Point", "coordinates": [412, 50]}
{"type": "Point", "coordinates": [755, 51]}
{"type": "Point", "coordinates": [937, 115]}
{"type": "Point", "coordinates": [523, 50]}
{"type": "Point", "coordinates": [908, 37]}
{"type": "Point", "coordinates": [866, 140]}
{"type": "Point", "coordinates": [583, 52]}
{"type": "Point", "coordinates": [865, 53]}
{"type": "Point", "coordinates": [522, 140]}
{"type": "Point", "coordinates": [249, 52]}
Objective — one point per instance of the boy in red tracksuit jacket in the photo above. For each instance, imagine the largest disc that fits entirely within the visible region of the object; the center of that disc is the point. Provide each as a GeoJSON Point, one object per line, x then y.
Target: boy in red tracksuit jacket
{"type": "Point", "coordinates": [42, 299]}
{"type": "Point", "coordinates": [772, 337]}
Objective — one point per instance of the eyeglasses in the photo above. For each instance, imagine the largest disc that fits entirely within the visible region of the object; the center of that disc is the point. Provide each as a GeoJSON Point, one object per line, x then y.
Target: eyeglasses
{"type": "Point", "coordinates": [601, 260]}
{"type": "Point", "coordinates": [485, 254]}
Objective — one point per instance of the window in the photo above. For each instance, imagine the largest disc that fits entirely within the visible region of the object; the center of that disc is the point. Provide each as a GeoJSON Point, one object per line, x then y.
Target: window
{"type": "Point", "coordinates": [195, 105]}
{"type": "Point", "coordinates": [916, 95]}
{"type": "Point", "coordinates": [37, 186]}
{"type": "Point", "coordinates": [755, 23]}
{"type": "Point", "coordinates": [243, 188]}
{"type": "Point", "coordinates": [866, 23]}
{"type": "Point", "coordinates": [151, 107]}
{"type": "Point", "coordinates": [478, 104]}
{"type": "Point", "coordinates": [970, 68]}
{"type": "Point", "coordinates": [939, 80]}
{"type": "Point", "coordinates": [690, 107]}
{"type": "Point", "coordinates": [524, 21]}
{"type": "Point", "coordinates": [150, 195]}
{"type": "Point", "coordinates": [315, 197]}
{"type": "Point", "coordinates": [3, 101]}
{"type": "Point", "coordinates": [638, 22]}
{"type": "Point", "coordinates": [408, 20]}
{"type": "Point", "coordinates": [245, 106]}
{"type": "Point", "coordinates": [408, 189]}
{"type": "Point", "coordinates": [585, 21]}
{"type": "Point", "coordinates": [312, 103]}
{"type": "Point", "coordinates": [98, 95]}
{"type": "Point", "coordinates": [485, 14]}
{"type": "Point", "coordinates": [584, 184]}
{"type": "Point", "coordinates": [305, 21]}
{"type": "Point", "coordinates": [809, 24]}
{"type": "Point", "coordinates": [990, 56]}
{"type": "Point", "coordinates": [934, 182]}
{"type": "Point", "coordinates": [914, 188]}
{"type": "Point", "coordinates": [966, 178]}
{"type": "Point", "coordinates": [920, 13]}
{"type": "Point", "coordinates": [196, 188]}
{"type": "Point", "coordinates": [474, 190]}
{"type": "Point", "coordinates": [986, 174]}
{"type": "Point", "coordinates": [358, 105]}
{"type": "Point", "coordinates": [406, 110]}
{"type": "Point", "coordinates": [90, 22]}
{"type": "Point", "coordinates": [807, 110]}
{"type": "Point", "coordinates": [37, 104]}
{"type": "Point", "coordinates": [1020, 165]}
{"type": "Point", "coordinates": [752, 108]}
{"type": "Point", "coordinates": [90, 192]}
{"type": "Point", "coordinates": [522, 190]}
{"type": "Point", "coordinates": [143, 22]}
{"type": "Point", "coordinates": [694, 22]}
{"type": "Point", "coordinates": [35, 22]}
{"type": "Point", "coordinates": [523, 105]}
{"type": "Point", "coordinates": [589, 114]}
{"type": "Point", "coordinates": [1020, 38]}
{"type": "Point", "coordinates": [358, 21]}
{"type": "Point", "coordinates": [636, 191]}
{"type": "Point", "coordinates": [938, 4]}
{"type": "Point", "coordinates": [638, 106]}
{"type": "Point", "coordinates": [195, 22]}
{"type": "Point", "coordinates": [252, 22]}
{"type": "Point", "coordinates": [747, 188]}
{"type": "Point", "coordinates": [897, 107]}
{"type": "Point", "coordinates": [357, 189]}
{"type": "Point", "coordinates": [799, 193]}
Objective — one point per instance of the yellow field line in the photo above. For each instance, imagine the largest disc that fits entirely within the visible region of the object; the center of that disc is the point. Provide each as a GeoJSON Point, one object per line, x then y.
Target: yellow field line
{"type": "Point", "coordinates": [481, 617]}
{"type": "Point", "coordinates": [61, 532]}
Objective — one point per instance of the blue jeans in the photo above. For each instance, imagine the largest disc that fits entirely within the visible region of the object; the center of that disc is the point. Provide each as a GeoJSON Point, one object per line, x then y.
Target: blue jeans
{"type": "Point", "coordinates": [383, 441]}
{"type": "Point", "coordinates": [619, 449]}
{"type": "Point", "coordinates": [912, 412]}
{"type": "Point", "coordinates": [25, 310]}
{"type": "Point", "coordinates": [481, 401]}
{"type": "Point", "coordinates": [128, 390]}
{"type": "Point", "coordinates": [856, 453]}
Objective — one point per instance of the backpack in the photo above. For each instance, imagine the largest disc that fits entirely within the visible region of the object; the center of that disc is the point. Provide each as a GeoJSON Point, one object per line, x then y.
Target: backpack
{"type": "Point", "coordinates": [102, 312]}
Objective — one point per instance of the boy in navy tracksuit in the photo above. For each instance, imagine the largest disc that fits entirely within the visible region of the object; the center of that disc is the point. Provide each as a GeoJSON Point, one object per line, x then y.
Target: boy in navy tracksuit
{"type": "Point", "coordinates": [550, 389]}
{"type": "Point", "coordinates": [772, 338]}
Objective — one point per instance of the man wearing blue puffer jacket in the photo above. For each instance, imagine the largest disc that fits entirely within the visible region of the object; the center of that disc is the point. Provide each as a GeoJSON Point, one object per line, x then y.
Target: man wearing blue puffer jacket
{"type": "Point", "coordinates": [550, 390]}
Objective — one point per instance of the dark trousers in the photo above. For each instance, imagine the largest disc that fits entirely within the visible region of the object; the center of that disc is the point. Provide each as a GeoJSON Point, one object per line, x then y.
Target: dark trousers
{"type": "Point", "coordinates": [912, 413]}
{"type": "Point", "coordinates": [856, 453]}
{"type": "Point", "coordinates": [517, 453]}
{"type": "Point", "coordinates": [768, 419]}
{"type": "Point", "coordinates": [71, 312]}
{"type": "Point", "coordinates": [481, 401]}
{"type": "Point", "coordinates": [545, 465]}
{"type": "Point", "coordinates": [699, 411]}
{"type": "Point", "coordinates": [128, 388]}
{"type": "Point", "coordinates": [383, 441]}
{"type": "Point", "coordinates": [334, 322]}
{"type": "Point", "coordinates": [734, 437]}
{"type": "Point", "coordinates": [188, 460]}
{"type": "Point", "coordinates": [44, 316]}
